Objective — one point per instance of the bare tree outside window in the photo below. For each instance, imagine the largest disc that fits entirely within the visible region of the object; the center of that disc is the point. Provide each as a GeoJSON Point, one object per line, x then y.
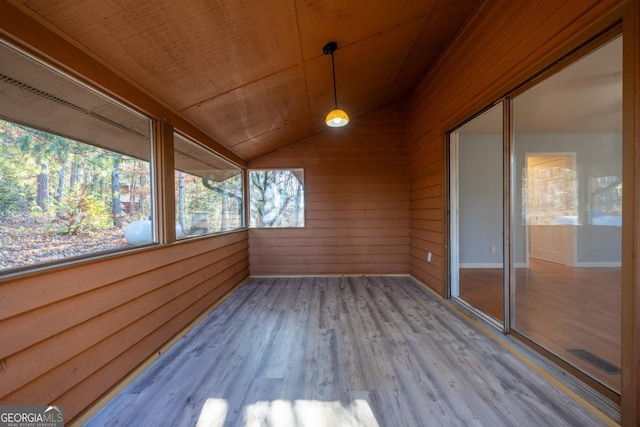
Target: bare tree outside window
{"type": "Point", "coordinates": [276, 198]}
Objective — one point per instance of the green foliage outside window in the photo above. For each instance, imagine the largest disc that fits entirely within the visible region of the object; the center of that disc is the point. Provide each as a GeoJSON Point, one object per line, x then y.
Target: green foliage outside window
{"type": "Point", "coordinates": [51, 187]}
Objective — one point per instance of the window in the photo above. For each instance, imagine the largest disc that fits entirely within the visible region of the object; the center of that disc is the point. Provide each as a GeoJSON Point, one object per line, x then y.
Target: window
{"type": "Point", "coordinates": [208, 189]}
{"type": "Point", "coordinates": [605, 200]}
{"type": "Point", "coordinates": [74, 167]}
{"type": "Point", "coordinates": [277, 198]}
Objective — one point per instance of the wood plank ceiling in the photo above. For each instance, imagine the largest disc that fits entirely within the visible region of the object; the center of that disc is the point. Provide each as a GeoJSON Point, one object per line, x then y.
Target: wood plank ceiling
{"type": "Point", "coordinates": [252, 73]}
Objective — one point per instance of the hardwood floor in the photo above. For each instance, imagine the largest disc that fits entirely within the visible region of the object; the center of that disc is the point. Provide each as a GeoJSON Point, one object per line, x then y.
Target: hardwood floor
{"type": "Point", "coordinates": [483, 288]}
{"type": "Point", "coordinates": [350, 351]}
{"type": "Point", "coordinates": [561, 308]}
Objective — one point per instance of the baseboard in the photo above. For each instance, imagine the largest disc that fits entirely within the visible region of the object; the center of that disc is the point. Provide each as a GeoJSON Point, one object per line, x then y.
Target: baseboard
{"type": "Point", "coordinates": [598, 264]}
{"type": "Point", "coordinates": [293, 276]}
{"type": "Point", "coordinates": [480, 265]}
{"type": "Point", "coordinates": [491, 265]}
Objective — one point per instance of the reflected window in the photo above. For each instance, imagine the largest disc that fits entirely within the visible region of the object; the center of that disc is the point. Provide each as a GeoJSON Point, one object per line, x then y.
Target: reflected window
{"type": "Point", "coordinates": [605, 200]}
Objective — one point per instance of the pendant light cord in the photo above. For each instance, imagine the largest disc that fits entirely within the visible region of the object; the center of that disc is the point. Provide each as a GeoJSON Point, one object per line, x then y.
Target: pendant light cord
{"type": "Point", "coordinates": [335, 92]}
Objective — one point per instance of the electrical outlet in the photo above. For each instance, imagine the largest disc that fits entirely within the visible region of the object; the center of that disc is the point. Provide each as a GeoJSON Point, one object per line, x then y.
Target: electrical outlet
{"type": "Point", "coordinates": [429, 257]}
{"type": "Point", "coordinates": [493, 249]}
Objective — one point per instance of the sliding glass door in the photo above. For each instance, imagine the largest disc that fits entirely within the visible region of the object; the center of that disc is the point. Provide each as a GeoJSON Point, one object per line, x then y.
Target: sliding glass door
{"type": "Point", "coordinates": [567, 210]}
{"type": "Point", "coordinates": [557, 283]}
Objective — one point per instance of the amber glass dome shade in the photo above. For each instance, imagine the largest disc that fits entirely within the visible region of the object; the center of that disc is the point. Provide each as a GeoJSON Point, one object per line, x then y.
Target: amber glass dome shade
{"type": "Point", "coordinates": [337, 118]}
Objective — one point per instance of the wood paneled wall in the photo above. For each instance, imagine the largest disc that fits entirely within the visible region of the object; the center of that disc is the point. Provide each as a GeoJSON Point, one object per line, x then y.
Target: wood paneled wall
{"type": "Point", "coordinates": [356, 202]}
{"type": "Point", "coordinates": [68, 335]}
{"type": "Point", "coordinates": [505, 43]}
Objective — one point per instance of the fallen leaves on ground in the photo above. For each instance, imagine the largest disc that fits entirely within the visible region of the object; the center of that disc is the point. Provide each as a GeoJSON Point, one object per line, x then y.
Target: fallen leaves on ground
{"type": "Point", "coordinates": [24, 241]}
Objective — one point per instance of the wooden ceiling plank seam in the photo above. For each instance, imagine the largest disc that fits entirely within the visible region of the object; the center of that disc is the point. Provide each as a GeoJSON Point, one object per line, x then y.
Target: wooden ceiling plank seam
{"type": "Point", "coordinates": [450, 36]}
{"type": "Point", "coordinates": [464, 33]}
{"type": "Point", "coordinates": [408, 51]}
{"type": "Point", "coordinates": [244, 114]}
{"type": "Point", "coordinates": [214, 44]}
{"type": "Point", "coordinates": [376, 75]}
{"type": "Point", "coordinates": [243, 86]}
{"type": "Point", "coordinates": [264, 134]}
{"type": "Point", "coordinates": [293, 8]}
{"type": "Point", "coordinates": [483, 43]}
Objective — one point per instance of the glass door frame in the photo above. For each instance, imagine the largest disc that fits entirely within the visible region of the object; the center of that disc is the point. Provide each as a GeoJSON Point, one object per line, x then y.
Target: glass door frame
{"type": "Point", "coordinates": [452, 193]}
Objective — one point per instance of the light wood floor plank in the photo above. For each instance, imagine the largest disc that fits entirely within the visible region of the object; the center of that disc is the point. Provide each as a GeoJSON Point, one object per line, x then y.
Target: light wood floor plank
{"type": "Point", "coordinates": [356, 351]}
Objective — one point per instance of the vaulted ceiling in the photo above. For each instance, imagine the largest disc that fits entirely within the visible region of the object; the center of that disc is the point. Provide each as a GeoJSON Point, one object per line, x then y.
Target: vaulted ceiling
{"type": "Point", "coordinates": [251, 73]}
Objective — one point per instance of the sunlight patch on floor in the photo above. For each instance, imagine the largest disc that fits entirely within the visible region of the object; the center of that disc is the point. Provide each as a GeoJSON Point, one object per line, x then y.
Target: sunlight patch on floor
{"type": "Point", "coordinates": [309, 413]}
{"type": "Point", "coordinates": [285, 413]}
{"type": "Point", "coordinates": [214, 413]}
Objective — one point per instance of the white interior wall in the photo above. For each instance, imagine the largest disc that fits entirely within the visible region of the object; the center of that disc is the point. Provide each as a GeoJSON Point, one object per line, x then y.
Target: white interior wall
{"type": "Point", "coordinates": [480, 194]}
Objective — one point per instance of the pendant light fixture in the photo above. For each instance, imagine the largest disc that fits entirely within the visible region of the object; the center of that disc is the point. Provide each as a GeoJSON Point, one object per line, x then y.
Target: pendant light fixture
{"type": "Point", "coordinates": [336, 117]}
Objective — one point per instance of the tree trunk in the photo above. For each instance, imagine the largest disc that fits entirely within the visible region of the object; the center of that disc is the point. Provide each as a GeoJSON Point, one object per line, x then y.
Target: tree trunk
{"type": "Point", "coordinates": [73, 179]}
{"type": "Point", "coordinates": [223, 208]}
{"type": "Point", "coordinates": [132, 191]}
{"type": "Point", "coordinates": [116, 206]}
{"type": "Point", "coordinates": [181, 201]}
{"type": "Point", "coordinates": [142, 200]}
{"type": "Point", "coordinates": [299, 205]}
{"type": "Point", "coordinates": [61, 178]}
{"type": "Point", "coordinates": [43, 185]}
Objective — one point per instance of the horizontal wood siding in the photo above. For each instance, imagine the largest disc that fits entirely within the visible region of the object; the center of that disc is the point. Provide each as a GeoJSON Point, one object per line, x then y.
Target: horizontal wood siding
{"type": "Point", "coordinates": [503, 44]}
{"type": "Point", "coordinates": [356, 202]}
{"type": "Point", "coordinates": [71, 334]}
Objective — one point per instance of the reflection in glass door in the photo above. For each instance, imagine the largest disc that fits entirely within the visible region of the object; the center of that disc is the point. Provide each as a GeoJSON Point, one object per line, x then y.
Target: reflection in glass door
{"type": "Point", "coordinates": [476, 201]}
{"type": "Point", "coordinates": [567, 213]}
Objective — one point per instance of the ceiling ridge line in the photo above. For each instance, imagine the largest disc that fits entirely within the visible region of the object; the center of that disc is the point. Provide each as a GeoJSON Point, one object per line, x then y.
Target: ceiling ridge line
{"type": "Point", "coordinates": [372, 35]}
{"type": "Point", "coordinates": [200, 103]}
{"type": "Point", "coordinates": [265, 133]}
{"type": "Point", "coordinates": [293, 5]}
{"type": "Point", "coordinates": [385, 99]}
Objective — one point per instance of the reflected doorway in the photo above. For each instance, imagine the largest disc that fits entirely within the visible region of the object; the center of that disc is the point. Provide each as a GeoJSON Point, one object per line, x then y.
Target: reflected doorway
{"type": "Point", "coordinates": [552, 203]}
